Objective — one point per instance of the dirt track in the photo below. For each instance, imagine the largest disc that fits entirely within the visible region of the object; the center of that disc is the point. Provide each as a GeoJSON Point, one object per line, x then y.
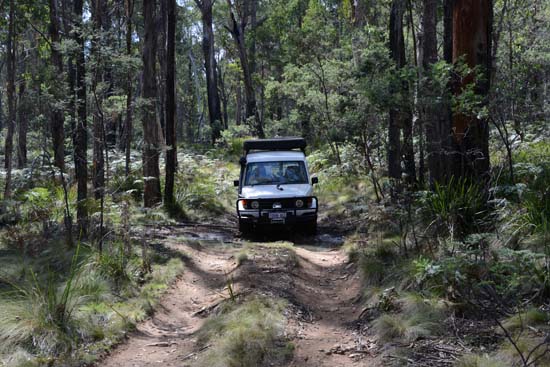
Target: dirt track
{"type": "Point", "coordinates": [322, 288]}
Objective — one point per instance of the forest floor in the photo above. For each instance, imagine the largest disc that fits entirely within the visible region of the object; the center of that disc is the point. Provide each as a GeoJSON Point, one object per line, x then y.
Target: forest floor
{"type": "Point", "coordinates": [313, 274]}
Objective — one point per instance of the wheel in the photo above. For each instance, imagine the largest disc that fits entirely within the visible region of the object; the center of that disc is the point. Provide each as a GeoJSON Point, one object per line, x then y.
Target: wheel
{"type": "Point", "coordinates": [245, 228]}
{"type": "Point", "coordinates": [310, 228]}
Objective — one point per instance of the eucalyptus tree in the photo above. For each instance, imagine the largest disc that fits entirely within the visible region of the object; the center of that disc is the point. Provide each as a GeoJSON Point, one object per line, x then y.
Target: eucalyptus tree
{"type": "Point", "coordinates": [210, 65]}
{"type": "Point", "coordinates": [151, 128]}
{"type": "Point", "coordinates": [472, 25]}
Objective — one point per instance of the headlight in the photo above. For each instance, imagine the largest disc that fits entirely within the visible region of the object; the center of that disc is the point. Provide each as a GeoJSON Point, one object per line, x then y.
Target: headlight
{"type": "Point", "coordinates": [299, 203]}
{"type": "Point", "coordinates": [255, 205]}
{"type": "Point", "coordinates": [311, 203]}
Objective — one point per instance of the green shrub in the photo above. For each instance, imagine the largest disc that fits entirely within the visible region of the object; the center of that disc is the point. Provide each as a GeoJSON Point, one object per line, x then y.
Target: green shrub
{"type": "Point", "coordinates": [132, 184]}
{"type": "Point", "coordinates": [232, 140]}
{"type": "Point", "coordinates": [203, 187]}
{"type": "Point", "coordinates": [455, 209]}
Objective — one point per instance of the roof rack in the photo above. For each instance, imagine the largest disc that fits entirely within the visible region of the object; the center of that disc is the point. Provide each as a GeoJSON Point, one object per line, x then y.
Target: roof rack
{"type": "Point", "coordinates": [275, 144]}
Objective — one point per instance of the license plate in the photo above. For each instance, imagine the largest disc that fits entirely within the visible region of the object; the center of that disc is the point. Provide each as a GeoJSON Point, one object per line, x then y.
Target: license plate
{"type": "Point", "coordinates": [277, 216]}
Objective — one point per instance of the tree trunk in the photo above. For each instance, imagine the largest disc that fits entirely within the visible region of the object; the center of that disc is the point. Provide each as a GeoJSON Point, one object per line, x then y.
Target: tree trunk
{"type": "Point", "coordinates": [214, 109]}
{"type": "Point", "coordinates": [151, 133]}
{"type": "Point", "coordinates": [81, 133]}
{"type": "Point", "coordinates": [472, 24]}
{"type": "Point", "coordinates": [57, 114]}
{"type": "Point", "coordinates": [129, 11]}
{"type": "Point", "coordinates": [171, 153]}
{"type": "Point", "coordinates": [400, 118]}
{"type": "Point", "coordinates": [397, 48]}
{"type": "Point", "coordinates": [1, 100]}
{"type": "Point", "coordinates": [10, 91]}
{"type": "Point", "coordinates": [223, 98]}
{"type": "Point", "coordinates": [161, 57]}
{"type": "Point", "coordinates": [238, 104]}
{"type": "Point", "coordinates": [237, 30]}
{"type": "Point", "coordinates": [432, 113]}
{"type": "Point", "coordinates": [22, 127]}
{"type": "Point", "coordinates": [98, 171]}
{"type": "Point", "coordinates": [66, 14]}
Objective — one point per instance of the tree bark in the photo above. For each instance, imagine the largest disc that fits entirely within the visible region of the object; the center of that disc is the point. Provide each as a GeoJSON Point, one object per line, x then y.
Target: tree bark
{"type": "Point", "coordinates": [57, 114]}
{"type": "Point", "coordinates": [10, 91]}
{"type": "Point", "coordinates": [214, 109]}
{"type": "Point", "coordinates": [238, 104]}
{"type": "Point", "coordinates": [223, 98]}
{"type": "Point", "coordinates": [128, 122]}
{"type": "Point", "coordinates": [171, 153]}
{"type": "Point", "coordinates": [472, 26]}
{"type": "Point", "coordinates": [397, 48]}
{"type": "Point", "coordinates": [237, 30]}
{"type": "Point", "coordinates": [81, 133]}
{"type": "Point", "coordinates": [98, 171]}
{"type": "Point", "coordinates": [434, 126]}
{"type": "Point", "coordinates": [161, 56]}
{"type": "Point", "coordinates": [151, 133]}
{"type": "Point", "coordinates": [22, 126]}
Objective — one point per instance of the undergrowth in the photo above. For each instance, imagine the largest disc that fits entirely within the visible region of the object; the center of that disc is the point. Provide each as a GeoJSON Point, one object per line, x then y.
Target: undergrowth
{"type": "Point", "coordinates": [473, 252]}
{"type": "Point", "coordinates": [49, 318]}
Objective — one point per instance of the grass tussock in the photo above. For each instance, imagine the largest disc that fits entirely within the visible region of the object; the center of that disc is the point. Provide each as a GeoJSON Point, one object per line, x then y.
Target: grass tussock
{"type": "Point", "coordinates": [531, 317]}
{"type": "Point", "coordinates": [508, 356]}
{"type": "Point", "coordinates": [249, 334]}
{"type": "Point", "coordinates": [242, 257]}
{"type": "Point", "coordinates": [76, 317]}
{"type": "Point", "coordinates": [473, 360]}
{"type": "Point", "coordinates": [377, 262]}
{"type": "Point", "coordinates": [418, 318]}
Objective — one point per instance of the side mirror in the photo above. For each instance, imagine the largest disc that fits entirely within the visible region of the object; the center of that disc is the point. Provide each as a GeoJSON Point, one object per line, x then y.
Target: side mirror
{"type": "Point", "coordinates": [314, 180]}
{"type": "Point", "coordinates": [236, 183]}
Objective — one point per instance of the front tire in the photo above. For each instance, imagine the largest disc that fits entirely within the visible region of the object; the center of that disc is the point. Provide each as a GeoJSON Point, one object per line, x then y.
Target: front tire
{"type": "Point", "coordinates": [310, 228]}
{"type": "Point", "coordinates": [245, 228]}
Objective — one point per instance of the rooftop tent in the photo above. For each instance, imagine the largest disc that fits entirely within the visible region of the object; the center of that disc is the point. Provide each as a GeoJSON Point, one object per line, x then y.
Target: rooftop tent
{"type": "Point", "coordinates": [275, 144]}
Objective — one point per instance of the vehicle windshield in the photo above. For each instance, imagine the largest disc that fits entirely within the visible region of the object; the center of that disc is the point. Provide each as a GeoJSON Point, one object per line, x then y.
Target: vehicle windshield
{"type": "Point", "coordinates": [275, 173]}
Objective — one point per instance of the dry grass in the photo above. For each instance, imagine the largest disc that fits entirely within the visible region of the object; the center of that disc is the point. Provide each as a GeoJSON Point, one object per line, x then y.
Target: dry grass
{"type": "Point", "coordinates": [242, 257]}
{"type": "Point", "coordinates": [531, 317]}
{"type": "Point", "coordinates": [473, 360]}
{"type": "Point", "coordinates": [246, 335]}
{"type": "Point", "coordinates": [419, 318]}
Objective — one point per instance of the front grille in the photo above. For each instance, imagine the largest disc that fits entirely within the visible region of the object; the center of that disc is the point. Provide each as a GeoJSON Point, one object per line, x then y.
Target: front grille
{"type": "Point", "coordinates": [285, 203]}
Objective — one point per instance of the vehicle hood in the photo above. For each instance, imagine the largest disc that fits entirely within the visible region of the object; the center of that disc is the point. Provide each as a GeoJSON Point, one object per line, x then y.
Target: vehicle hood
{"type": "Point", "coordinates": [271, 191]}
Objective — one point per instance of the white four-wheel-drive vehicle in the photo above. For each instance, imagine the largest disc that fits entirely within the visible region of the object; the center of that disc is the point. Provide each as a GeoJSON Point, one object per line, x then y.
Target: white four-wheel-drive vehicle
{"type": "Point", "coordinates": [275, 187]}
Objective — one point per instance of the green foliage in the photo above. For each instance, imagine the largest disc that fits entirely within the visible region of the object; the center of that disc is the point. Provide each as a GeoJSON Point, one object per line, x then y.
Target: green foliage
{"type": "Point", "coordinates": [117, 265]}
{"type": "Point", "coordinates": [246, 335]}
{"type": "Point", "coordinates": [455, 209]}
{"type": "Point", "coordinates": [203, 186]}
{"type": "Point", "coordinates": [232, 140]}
{"type": "Point", "coordinates": [124, 185]}
{"type": "Point", "coordinates": [511, 274]}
